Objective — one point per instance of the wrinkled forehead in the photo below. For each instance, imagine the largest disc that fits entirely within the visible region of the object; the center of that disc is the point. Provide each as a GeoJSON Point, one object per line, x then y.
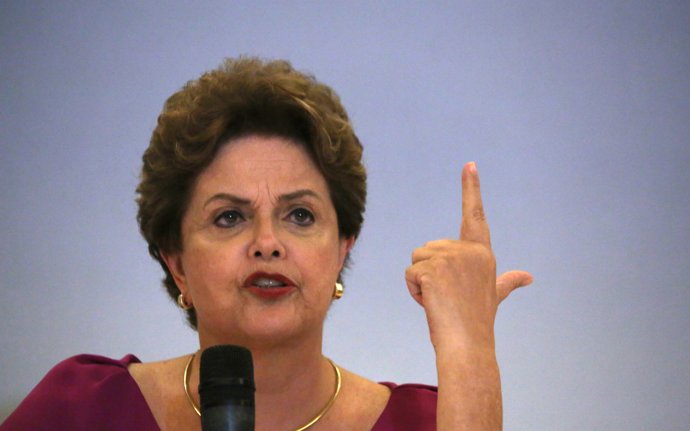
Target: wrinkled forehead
{"type": "Point", "coordinates": [267, 166]}
{"type": "Point", "coordinates": [245, 163]}
{"type": "Point", "coordinates": [264, 155]}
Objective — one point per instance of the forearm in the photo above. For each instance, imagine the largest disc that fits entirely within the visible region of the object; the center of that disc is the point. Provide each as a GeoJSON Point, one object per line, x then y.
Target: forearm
{"type": "Point", "coordinates": [469, 390]}
{"type": "Point", "coordinates": [455, 281]}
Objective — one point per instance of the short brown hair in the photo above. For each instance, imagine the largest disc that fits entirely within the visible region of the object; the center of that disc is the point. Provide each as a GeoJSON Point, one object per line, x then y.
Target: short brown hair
{"type": "Point", "coordinates": [244, 96]}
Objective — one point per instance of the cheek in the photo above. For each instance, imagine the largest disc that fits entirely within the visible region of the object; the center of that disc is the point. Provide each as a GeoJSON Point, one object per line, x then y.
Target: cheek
{"type": "Point", "coordinates": [210, 266]}
{"type": "Point", "coordinates": [323, 260]}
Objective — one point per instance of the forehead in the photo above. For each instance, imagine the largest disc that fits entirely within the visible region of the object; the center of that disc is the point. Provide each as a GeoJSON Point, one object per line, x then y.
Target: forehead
{"type": "Point", "coordinates": [245, 162]}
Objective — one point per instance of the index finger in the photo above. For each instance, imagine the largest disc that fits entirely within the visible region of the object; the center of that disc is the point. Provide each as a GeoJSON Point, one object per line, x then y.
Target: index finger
{"type": "Point", "coordinates": [474, 226]}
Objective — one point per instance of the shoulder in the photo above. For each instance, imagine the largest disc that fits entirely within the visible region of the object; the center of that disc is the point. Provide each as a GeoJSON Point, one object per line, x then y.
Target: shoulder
{"type": "Point", "coordinates": [80, 390]}
{"type": "Point", "coordinates": [410, 407]}
{"type": "Point", "coordinates": [86, 376]}
{"type": "Point", "coordinates": [87, 367]}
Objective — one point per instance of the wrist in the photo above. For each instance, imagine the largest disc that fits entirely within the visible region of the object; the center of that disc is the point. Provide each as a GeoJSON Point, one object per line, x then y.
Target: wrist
{"type": "Point", "coordinates": [475, 370]}
{"type": "Point", "coordinates": [467, 359]}
{"type": "Point", "coordinates": [457, 344]}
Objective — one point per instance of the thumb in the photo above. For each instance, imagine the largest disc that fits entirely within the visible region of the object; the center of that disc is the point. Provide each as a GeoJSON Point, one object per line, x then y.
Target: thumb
{"type": "Point", "coordinates": [511, 280]}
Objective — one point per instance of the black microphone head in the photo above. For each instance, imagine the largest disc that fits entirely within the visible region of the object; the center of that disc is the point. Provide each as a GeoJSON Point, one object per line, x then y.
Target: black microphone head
{"type": "Point", "coordinates": [226, 360]}
{"type": "Point", "coordinates": [226, 376]}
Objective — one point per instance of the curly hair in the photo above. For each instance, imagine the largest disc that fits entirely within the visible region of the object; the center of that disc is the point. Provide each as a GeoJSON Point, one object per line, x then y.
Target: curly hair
{"type": "Point", "coordinates": [244, 96]}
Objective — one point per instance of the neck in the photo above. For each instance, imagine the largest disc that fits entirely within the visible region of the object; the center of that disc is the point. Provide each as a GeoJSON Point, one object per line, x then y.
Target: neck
{"type": "Point", "coordinates": [293, 383]}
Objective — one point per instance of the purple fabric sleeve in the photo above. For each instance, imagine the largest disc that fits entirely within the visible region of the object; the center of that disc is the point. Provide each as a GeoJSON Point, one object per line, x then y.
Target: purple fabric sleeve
{"type": "Point", "coordinates": [85, 392]}
{"type": "Point", "coordinates": [411, 407]}
{"type": "Point", "coordinates": [89, 392]}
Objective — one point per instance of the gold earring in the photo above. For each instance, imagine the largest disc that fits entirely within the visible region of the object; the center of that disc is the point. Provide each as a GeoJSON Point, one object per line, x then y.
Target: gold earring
{"type": "Point", "coordinates": [339, 291]}
{"type": "Point", "coordinates": [182, 303]}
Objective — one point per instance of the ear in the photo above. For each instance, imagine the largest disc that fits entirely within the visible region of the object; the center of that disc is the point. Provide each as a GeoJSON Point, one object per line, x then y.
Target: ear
{"type": "Point", "coordinates": [174, 263]}
{"type": "Point", "coordinates": [346, 245]}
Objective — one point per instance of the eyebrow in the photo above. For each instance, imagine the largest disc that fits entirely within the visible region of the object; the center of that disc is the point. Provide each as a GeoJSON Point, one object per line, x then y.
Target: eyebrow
{"type": "Point", "coordinates": [227, 197]}
{"type": "Point", "coordinates": [236, 200]}
{"type": "Point", "coordinates": [298, 194]}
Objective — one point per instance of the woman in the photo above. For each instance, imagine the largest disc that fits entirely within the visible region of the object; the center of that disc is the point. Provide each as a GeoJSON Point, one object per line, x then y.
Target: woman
{"type": "Point", "coordinates": [251, 198]}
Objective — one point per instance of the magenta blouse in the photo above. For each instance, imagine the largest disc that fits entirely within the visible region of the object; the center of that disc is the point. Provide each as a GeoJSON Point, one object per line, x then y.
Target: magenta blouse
{"type": "Point", "coordinates": [89, 392]}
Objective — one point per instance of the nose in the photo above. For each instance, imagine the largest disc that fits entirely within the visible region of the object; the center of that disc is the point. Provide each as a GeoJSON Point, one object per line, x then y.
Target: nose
{"type": "Point", "coordinates": [265, 244]}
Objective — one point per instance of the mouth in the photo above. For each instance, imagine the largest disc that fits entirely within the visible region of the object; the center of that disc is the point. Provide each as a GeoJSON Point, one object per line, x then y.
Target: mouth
{"type": "Point", "coordinates": [269, 286]}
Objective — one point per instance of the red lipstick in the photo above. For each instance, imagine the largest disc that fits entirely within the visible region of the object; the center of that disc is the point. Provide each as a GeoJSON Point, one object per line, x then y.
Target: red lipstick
{"type": "Point", "coordinates": [269, 286]}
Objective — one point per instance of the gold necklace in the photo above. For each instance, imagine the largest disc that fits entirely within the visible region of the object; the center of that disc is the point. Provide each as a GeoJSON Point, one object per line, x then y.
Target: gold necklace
{"type": "Point", "coordinates": [329, 404]}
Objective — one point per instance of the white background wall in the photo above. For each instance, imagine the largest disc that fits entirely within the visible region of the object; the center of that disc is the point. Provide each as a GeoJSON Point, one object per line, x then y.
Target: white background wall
{"type": "Point", "coordinates": [577, 113]}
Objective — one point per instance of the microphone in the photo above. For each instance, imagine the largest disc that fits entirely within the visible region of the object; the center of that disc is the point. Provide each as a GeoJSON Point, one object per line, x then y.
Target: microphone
{"type": "Point", "coordinates": [226, 389]}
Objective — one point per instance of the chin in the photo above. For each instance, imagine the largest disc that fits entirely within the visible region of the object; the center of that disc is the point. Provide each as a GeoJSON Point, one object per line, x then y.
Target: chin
{"type": "Point", "coordinates": [268, 329]}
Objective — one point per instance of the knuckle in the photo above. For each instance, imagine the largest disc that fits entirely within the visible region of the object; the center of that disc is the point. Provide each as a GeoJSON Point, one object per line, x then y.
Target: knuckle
{"type": "Point", "coordinates": [409, 272]}
{"type": "Point", "coordinates": [418, 254]}
{"type": "Point", "coordinates": [414, 255]}
{"type": "Point", "coordinates": [482, 253]}
{"type": "Point", "coordinates": [478, 213]}
{"type": "Point", "coordinates": [425, 279]}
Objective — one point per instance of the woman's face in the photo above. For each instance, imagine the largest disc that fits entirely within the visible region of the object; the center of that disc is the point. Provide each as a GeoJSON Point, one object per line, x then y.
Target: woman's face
{"type": "Point", "coordinates": [261, 249]}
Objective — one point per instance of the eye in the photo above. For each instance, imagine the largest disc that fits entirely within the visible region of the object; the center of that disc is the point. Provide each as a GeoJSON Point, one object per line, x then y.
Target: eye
{"type": "Point", "coordinates": [301, 216]}
{"type": "Point", "coordinates": [228, 218]}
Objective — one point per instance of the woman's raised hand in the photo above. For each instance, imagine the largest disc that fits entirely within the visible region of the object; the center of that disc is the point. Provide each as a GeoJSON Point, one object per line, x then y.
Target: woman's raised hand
{"type": "Point", "coordinates": [455, 280]}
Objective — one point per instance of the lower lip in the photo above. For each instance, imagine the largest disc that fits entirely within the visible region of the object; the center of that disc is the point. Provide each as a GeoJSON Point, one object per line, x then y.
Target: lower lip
{"type": "Point", "coordinates": [271, 292]}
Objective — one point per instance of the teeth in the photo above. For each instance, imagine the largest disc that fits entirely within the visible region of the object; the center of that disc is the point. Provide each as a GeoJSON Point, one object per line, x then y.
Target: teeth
{"type": "Point", "coordinates": [267, 282]}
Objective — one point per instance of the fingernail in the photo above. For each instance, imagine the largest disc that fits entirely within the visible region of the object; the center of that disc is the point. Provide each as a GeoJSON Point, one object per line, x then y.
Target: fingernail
{"type": "Point", "coordinates": [473, 167]}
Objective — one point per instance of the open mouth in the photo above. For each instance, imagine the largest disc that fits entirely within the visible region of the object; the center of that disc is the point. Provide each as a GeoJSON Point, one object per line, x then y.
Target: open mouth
{"type": "Point", "coordinates": [267, 283]}
{"type": "Point", "coordinates": [269, 286]}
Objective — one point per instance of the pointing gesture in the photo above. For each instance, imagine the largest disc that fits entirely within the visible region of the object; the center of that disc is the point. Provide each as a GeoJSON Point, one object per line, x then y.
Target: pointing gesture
{"type": "Point", "coordinates": [475, 228]}
{"type": "Point", "coordinates": [455, 280]}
